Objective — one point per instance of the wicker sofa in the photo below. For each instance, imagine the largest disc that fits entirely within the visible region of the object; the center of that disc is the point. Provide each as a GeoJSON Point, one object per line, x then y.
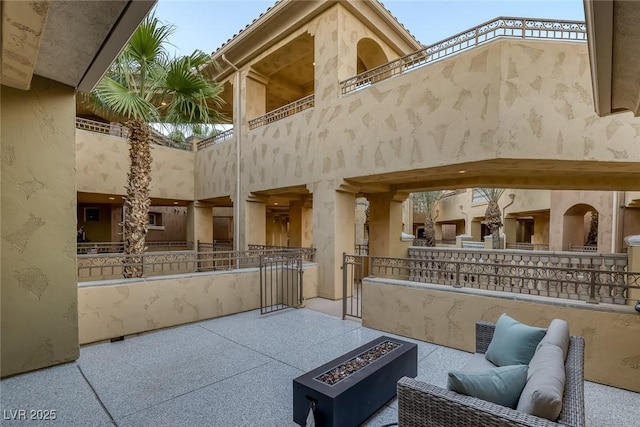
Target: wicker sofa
{"type": "Point", "coordinates": [422, 404]}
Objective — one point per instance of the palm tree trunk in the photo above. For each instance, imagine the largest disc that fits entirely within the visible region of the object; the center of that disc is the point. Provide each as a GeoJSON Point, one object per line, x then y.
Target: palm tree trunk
{"type": "Point", "coordinates": [137, 200]}
{"type": "Point", "coordinates": [429, 232]}
{"type": "Point", "coordinates": [493, 219]}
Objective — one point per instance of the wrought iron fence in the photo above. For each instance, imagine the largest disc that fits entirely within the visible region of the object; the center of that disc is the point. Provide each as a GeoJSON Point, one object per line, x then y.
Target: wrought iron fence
{"type": "Point", "coordinates": [521, 28]}
{"type": "Point", "coordinates": [110, 266]}
{"type": "Point", "coordinates": [583, 248]}
{"type": "Point", "coordinates": [282, 112]}
{"type": "Point", "coordinates": [216, 245]}
{"type": "Point", "coordinates": [354, 269]}
{"type": "Point", "coordinates": [592, 284]}
{"type": "Point", "coordinates": [527, 246]}
{"type": "Point", "coordinates": [119, 130]}
{"type": "Point", "coordinates": [281, 281]}
{"type": "Point", "coordinates": [217, 139]}
{"type": "Point", "coordinates": [308, 254]}
{"type": "Point", "coordinates": [362, 249]}
{"type": "Point", "coordinates": [118, 247]}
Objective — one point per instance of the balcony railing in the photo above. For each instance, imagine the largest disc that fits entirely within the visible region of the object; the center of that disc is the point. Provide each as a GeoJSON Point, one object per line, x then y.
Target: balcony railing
{"type": "Point", "coordinates": [118, 247]}
{"type": "Point", "coordinates": [282, 112]}
{"type": "Point", "coordinates": [217, 139]}
{"type": "Point", "coordinates": [96, 267]}
{"type": "Point", "coordinates": [589, 283]}
{"type": "Point", "coordinates": [117, 129]}
{"type": "Point", "coordinates": [566, 275]}
{"type": "Point", "coordinates": [521, 246]}
{"type": "Point", "coordinates": [519, 28]}
{"type": "Point", "coordinates": [308, 254]}
{"type": "Point", "coordinates": [583, 248]}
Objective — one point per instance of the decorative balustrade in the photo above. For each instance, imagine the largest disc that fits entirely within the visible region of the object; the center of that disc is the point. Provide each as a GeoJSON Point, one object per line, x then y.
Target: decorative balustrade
{"type": "Point", "coordinates": [593, 277]}
{"type": "Point", "coordinates": [118, 247]}
{"type": "Point", "coordinates": [527, 246]}
{"type": "Point", "coordinates": [95, 267]}
{"type": "Point", "coordinates": [217, 139]}
{"type": "Point", "coordinates": [594, 285]}
{"type": "Point", "coordinates": [308, 254]}
{"type": "Point", "coordinates": [216, 245]}
{"type": "Point", "coordinates": [121, 131]}
{"type": "Point", "coordinates": [583, 248]}
{"type": "Point", "coordinates": [520, 28]}
{"type": "Point", "coordinates": [282, 112]}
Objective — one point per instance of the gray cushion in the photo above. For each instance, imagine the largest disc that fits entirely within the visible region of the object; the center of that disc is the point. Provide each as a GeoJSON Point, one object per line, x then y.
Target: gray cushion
{"type": "Point", "coordinates": [477, 363]}
{"type": "Point", "coordinates": [501, 385]}
{"type": "Point", "coordinates": [542, 395]}
{"type": "Point", "coordinates": [558, 334]}
{"type": "Point", "coordinates": [513, 343]}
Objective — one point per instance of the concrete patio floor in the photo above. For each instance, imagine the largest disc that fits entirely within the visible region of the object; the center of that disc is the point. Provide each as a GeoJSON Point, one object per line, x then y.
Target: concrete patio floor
{"type": "Point", "coordinates": [231, 371]}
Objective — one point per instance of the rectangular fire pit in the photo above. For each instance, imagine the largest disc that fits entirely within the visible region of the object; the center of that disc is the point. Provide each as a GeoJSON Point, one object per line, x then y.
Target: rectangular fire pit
{"type": "Point", "coordinates": [344, 398]}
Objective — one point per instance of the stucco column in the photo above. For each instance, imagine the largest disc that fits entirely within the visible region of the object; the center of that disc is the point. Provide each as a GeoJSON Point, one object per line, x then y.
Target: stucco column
{"type": "Point", "coordinates": [633, 265]}
{"type": "Point", "coordinates": [510, 230]}
{"type": "Point", "coordinates": [300, 224]}
{"type": "Point", "coordinates": [385, 225]}
{"type": "Point", "coordinates": [256, 94]}
{"type": "Point", "coordinates": [199, 223]}
{"type": "Point", "coordinates": [255, 222]}
{"type": "Point", "coordinates": [333, 234]}
{"type": "Point", "coordinates": [39, 218]}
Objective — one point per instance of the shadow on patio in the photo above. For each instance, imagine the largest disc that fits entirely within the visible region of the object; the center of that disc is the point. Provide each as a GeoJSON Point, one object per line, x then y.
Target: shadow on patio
{"type": "Point", "coordinates": [230, 371]}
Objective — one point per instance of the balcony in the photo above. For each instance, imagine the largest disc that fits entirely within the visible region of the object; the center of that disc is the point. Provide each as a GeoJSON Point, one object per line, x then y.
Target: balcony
{"type": "Point", "coordinates": [283, 112]}
{"type": "Point", "coordinates": [230, 371]}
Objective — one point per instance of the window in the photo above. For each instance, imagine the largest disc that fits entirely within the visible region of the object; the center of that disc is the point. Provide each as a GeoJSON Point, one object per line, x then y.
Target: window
{"type": "Point", "coordinates": [91, 214]}
{"type": "Point", "coordinates": [478, 197]}
{"type": "Point", "coordinates": [152, 218]}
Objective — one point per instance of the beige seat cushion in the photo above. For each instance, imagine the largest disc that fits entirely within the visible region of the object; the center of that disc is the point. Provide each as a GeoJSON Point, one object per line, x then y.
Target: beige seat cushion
{"type": "Point", "coordinates": [542, 394]}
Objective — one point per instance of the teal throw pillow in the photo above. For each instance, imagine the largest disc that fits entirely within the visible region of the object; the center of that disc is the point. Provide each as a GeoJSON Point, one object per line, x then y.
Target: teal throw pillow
{"type": "Point", "coordinates": [513, 343]}
{"type": "Point", "coordinates": [501, 385]}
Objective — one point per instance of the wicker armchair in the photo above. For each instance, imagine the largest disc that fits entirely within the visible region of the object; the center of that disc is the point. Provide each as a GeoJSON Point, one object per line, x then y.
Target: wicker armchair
{"type": "Point", "coordinates": [422, 404]}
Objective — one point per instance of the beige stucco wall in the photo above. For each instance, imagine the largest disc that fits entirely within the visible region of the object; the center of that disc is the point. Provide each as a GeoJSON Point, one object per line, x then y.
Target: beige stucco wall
{"type": "Point", "coordinates": [447, 317]}
{"type": "Point", "coordinates": [103, 164]}
{"type": "Point", "coordinates": [133, 306]}
{"type": "Point", "coordinates": [561, 201]}
{"type": "Point", "coordinates": [39, 298]}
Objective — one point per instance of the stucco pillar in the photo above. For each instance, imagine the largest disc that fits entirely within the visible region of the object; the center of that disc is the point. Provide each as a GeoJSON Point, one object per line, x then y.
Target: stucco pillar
{"type": "Point", "coordinates": [256, 94]}
{"type": "Point", "coordinates": [476, 231]}
{"type": "Point", "coordinates": [38, 246]}
{"type": "Point", "coordinates": [255, 222]}
{"type": "Point", "coordinates": [199, 223]}
{"type": "Point", "coordinates": [333, 234]}
{"type": "Point", "coordinates": [633, 265]}
{"type": "Point", "coordinates": [510, 230]}
{"type": "Point", "coordinates": [116, 223]}
{"type": "Point", "coordinates": [385, 225]}
{"type": "Point", "coordinates": [300, 224]}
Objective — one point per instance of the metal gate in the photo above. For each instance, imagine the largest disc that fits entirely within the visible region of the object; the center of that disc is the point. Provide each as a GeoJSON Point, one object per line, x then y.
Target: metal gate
{"type": "Point", "coordinates": [280, 281]}
{"type": "Point", "coordinates": [354, 269]}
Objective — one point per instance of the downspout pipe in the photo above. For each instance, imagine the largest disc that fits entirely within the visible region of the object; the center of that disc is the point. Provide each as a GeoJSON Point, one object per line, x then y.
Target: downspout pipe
{"type": "Point", "coordinates": [237, 122]}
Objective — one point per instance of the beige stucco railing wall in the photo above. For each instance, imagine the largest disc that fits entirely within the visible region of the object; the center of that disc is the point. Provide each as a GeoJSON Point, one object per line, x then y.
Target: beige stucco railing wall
{"type": "Point", "coordinates": [103, 164]}
{"type": "Point", "coordinates": [526, 100]}
{"type": "Point", "coordinates": [124, 307]}
{"type": "Point", "coordinates": [441, 315]}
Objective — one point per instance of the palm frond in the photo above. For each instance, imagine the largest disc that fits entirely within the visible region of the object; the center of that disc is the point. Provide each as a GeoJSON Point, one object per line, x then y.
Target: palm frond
{"type": "Point", "coordinates": [123, 101]}
{"type": "Point", "coordinates": [491, 194]}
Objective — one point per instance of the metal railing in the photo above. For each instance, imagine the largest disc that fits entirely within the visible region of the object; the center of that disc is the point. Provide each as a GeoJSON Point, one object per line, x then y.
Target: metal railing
{"type": "Point", "coordinates": [216, 245]}
{"type": "Point", "coordinates": [583, 248]}
{"type": "Point", "coordinates": [118, 247]}
{"type": "Point", "coordinates": [593, 284]}
{"type": "Point", "coordinates": [282, 112]}
{"type": "Point", "coordinates": [121, 131]}
{"type": "Point", "coordinates": [95, 267]}
{"type": "Point", "coordinates": [354, 269]}
{"type": "Point", "coordinates": [520, 28]}
{"type": "Point", "coordinates": [520, 246]}
{"type": "Point", "coordinates": [423, 242]}
{"type": "Point", "coordinates": [217, 139]}
{"type": "Point", "coordinates": [362, 249]}
{"type": "Point", "coordinates": [308, 254]}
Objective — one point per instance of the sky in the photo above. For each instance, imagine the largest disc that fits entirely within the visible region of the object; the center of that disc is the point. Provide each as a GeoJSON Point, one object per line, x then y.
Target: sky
{"type": "Point", "coordinates": [207, 24]}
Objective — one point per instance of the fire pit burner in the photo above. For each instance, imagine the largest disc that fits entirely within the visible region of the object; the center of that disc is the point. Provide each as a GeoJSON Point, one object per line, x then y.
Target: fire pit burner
{"type": "Point", "coordinates": [351, 366]}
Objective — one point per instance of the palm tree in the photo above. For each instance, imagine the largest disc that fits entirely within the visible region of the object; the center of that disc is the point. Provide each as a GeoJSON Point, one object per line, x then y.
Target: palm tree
{"type": "Point", "coordinates": [426, 203]}
{"type": "Point", "coordinates": [493, 215]}
{"type": "Point", "coordinates": [145, 85]}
